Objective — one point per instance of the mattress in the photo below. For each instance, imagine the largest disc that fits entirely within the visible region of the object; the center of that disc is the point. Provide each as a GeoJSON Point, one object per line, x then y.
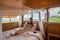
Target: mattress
{"type": "Point", "coordinates": [19, 37]}
{"type": "Point", "coordinates": [26, 36]}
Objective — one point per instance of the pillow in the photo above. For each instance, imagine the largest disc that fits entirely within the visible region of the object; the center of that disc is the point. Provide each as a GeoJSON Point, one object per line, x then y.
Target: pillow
{"type": "Point", "coordinates": [10, 32]}
{"type": "Point", "coordinates": [15, 31]}
{"type": "Point", "coordinates": [6, 34]}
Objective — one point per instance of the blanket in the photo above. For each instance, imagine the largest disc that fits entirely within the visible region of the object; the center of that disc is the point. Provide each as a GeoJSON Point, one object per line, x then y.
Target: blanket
{"type": "Point", "coordinates": [26, 36]}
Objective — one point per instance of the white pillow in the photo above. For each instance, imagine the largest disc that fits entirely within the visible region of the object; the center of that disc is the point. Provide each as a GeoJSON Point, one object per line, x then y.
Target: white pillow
{"type": "Point", "coordinates": [9, 33]}
{"type": "Point", "coordinates": [15, 30]}
{"type": "Point", "coordinates": [6, 34]}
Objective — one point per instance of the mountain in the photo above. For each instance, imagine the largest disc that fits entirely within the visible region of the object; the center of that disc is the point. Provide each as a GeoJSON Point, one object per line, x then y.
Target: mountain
{"type": "Point", "coordinates": [55, 16]}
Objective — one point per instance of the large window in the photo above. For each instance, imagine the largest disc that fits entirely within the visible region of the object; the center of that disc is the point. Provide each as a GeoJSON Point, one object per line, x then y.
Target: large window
{"type": "Point", "coordinates": [15, 19]}
{"type": "Point", "coordinates": [35, 16]}
{"type": "Point", "coordinates": [11, 19]}
{"type": "Point", "coordinates": [43, 15]}
{"type": "Point", "coordinates": [54, 14]}
{"type": "Point", "coordinates": [26, 17]}
{"type": "Point", "coordinates": [5, 20]}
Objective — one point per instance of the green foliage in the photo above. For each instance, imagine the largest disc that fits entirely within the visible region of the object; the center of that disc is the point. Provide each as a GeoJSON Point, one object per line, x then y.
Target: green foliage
{"type": "Point", "coordinates": [54, 19]}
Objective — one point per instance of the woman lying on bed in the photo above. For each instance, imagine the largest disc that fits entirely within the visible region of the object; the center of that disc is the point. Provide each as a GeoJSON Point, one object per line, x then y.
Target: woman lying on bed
{"type": "Point", "coordinates": [30, 25]}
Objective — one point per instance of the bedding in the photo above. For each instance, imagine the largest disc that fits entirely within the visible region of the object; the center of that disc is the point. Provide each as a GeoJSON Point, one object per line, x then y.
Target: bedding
{"type": "Point", "coordinates": [21, 38]}
{"type": "Point", "coordinates": [10, 32]}
{"type": "Point", "coordinates": [21, 31]}
{"type": "Point", "coordinates": [36, 34]}
{"type": "Point", "coordinates": [6, 34]}
{"type": "Point", "coordinates": [22, 34]}
{"type": "Point", "coordinates": [26, 36]}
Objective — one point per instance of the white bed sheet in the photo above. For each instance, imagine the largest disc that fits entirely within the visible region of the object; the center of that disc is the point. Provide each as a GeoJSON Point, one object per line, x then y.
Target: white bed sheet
{"type": "Point", "coordinates": [26, 36]}
{"type": "Point", "coordinates": [21, 38]}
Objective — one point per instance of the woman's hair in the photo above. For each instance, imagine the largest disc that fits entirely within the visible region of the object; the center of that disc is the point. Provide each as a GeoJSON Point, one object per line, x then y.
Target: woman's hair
{"type": "Point", "coordinates": [31, 18]}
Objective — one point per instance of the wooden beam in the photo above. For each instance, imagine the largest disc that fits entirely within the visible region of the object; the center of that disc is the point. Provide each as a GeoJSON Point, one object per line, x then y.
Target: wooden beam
{"type": "Point", "coordinates": [22, 21]}
{"type": "Point", "coordinates": [32, 14]}
{"type": "Point", "coordinates": [9, 19]}
{"type": "Point", "coordinates": [0, 25]}
{"type": "Point", "coordinates": [39, 16]}
{"type": "Point", "coordinates": [47, 14]}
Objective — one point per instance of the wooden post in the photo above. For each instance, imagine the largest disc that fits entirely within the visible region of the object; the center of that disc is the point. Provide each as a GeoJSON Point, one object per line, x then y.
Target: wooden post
{"type": "Point", "coordinates": [22, 21]}
{"type": "Point", "coordinates": [32, 14]}
{"type": "Point", "coordinates": [47, 19]}
{"type": "Point", "coordinates": [9, 19]}
{"type": "Point", "coordinates": [39, 16]}
{"type": "Point", "coordinates": [0, 25]}
{"type": "Point", "coordinates": [47, 14]}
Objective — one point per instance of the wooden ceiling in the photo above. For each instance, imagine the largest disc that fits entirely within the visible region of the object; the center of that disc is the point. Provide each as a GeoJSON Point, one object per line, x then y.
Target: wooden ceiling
{"type": "Point", "coordinates": [42, 3]}
{"type": "Point", "coordinates": [20, 6]}
{"type": "Point", "coordinates": [12, 4]}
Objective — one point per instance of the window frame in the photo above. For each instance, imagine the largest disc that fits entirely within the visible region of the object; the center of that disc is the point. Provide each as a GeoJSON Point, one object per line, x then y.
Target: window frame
{"type": "Point", "coordinates": [49, 15]}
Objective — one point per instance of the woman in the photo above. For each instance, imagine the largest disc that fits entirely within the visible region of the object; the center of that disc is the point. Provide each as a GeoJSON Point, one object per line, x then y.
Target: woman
{"type": "Point", "coordinates": [30, 25]}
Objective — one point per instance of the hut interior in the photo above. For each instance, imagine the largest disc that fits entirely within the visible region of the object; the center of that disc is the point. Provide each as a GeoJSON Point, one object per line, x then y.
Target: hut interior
{"type": "Point", "coordinates": [44, 13]}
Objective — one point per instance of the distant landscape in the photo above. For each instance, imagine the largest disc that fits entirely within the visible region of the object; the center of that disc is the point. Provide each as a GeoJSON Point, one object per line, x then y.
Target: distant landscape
{"type": "Point", "coordinates": [51, 19]}
{"type": "Point", "coordinates": [54, 16]}
{"type": "Point", "coordinates": [6, 20]}
{"type": "Point", "coordinates": [54, 19]}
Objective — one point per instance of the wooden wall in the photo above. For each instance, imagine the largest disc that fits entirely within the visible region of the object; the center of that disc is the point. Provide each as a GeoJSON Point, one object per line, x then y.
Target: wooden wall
{"type": "Point", "coordinates": [42, 3]}
{"type": "Point", "coordinates": [9, 26]}
{"type": "Point", "coordinates": [53, 28]}
{"type": "Point", "coordinates": [48, 27]}
{"type": "Point", "coordinates": [17, 4]}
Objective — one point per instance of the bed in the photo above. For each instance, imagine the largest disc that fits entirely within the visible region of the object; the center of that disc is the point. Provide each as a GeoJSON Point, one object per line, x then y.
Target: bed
{"type": "Point", "coordinates": [27, 35]}
{"type": "Point", "coordinates": [22, 34]}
